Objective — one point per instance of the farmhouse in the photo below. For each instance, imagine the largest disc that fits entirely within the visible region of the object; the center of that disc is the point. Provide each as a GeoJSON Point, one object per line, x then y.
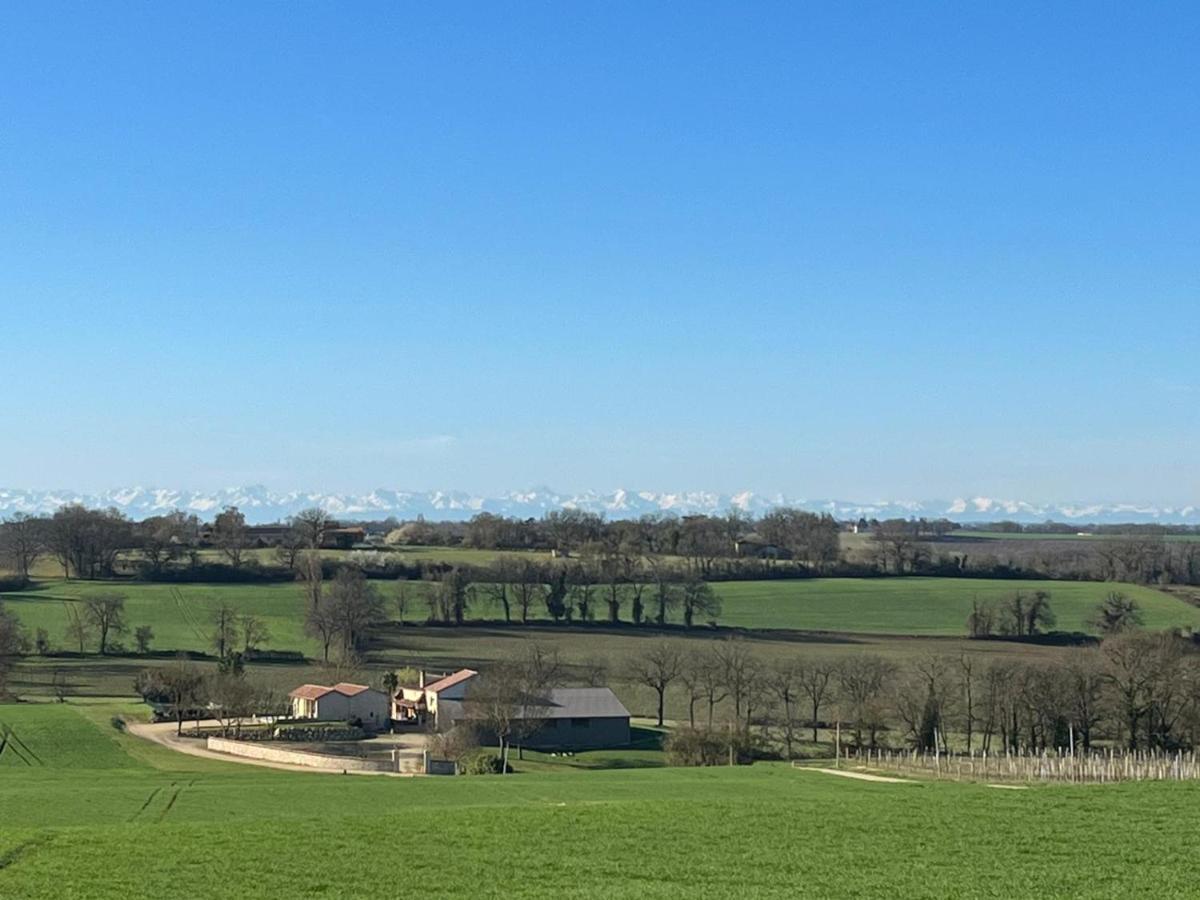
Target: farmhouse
{"type": "Point", "coordinates": [438, 701]}
{"type": "Point", "coordinates": [343, 702]}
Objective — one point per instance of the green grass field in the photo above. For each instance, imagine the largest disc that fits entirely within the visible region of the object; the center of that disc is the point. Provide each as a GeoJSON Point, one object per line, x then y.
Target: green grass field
{"type": "Point", "coordinates": [968, 534]}
{"type": "Point", "coordinates": [922, 606]}
{"type": "Point", "coordinates": [903, 606]}
{"type": "Point", "coordinates": [109, 816]}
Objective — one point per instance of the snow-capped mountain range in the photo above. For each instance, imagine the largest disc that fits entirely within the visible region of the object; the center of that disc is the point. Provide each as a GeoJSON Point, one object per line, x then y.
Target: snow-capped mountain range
{"type": "Point", "coordinates": [261, 505]}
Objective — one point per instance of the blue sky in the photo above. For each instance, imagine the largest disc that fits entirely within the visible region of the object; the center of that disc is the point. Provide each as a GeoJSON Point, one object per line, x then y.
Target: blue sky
{"type": "Point", "coordinates": [860, 251]}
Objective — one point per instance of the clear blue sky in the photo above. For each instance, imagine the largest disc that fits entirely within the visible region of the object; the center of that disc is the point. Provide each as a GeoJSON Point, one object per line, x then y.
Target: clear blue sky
{"type": "Point", "coordinates": [845, 250]}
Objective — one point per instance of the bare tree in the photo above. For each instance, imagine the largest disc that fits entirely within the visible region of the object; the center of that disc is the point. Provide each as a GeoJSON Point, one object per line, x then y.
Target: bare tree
{"type": "Point", "coordinates": [291, 547]}
{"type": "Point", "coordinates": [740, 673]}
{"type": "Point", "coordinates": [12, 645]}
{"type": "Point", "coordinates": [783, 681]}
{"type": "Point", "coordinates": [1116, 613]}
{"type": "Point", "coordinates": [697, 597]}
{"type": "Point", "coordinates": [402, 599]}
{"type": "Point", "coordinates": [79, 627]}
{"type": "Point", "coordinates": [254, 632]}
{"type": "Point", "coordinates": [527, 587]}
{"type": "Point", "coordinates": [183, 684]}
{"type": "Point", "coordinates": [509, 701]}
{"type": "Point", "coordinates": [815, 678]}
{"type": "Point", "coordinates": [224, 629]}
{"type": "Point", "coordinates": [354, 606]}
{"type": "Point", "coordinates": [657, 668]}
{"type": "Point", "coordinates": [143, 635]}
{"type": "Point", "coordinates": [22, 543]}
{"type": "Point", "coordinates": [311, 573]}
{"type": "Point", "coordinates": [862, 683]}
{"type": "Point", "coordinates": [311, 524]}
{"type": "Point", "coordinates": [229, 534]}
{"type": "Point", "coordinates": [322, 625]}
{"type": "Point", "coordinates": [106, 612]}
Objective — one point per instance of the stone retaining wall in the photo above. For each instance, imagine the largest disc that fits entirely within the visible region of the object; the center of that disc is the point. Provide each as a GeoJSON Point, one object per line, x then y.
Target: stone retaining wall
{"type": "Point", "coordinates": [410, 761]}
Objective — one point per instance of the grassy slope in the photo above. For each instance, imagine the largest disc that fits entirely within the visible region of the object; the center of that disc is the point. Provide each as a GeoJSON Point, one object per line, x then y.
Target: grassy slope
{"type": "Point", "coordinates": [921, 606]}
{"type": "Point", "coordinates": [158, 822]}
{"type": "Point", "coordinates": [914, 606]}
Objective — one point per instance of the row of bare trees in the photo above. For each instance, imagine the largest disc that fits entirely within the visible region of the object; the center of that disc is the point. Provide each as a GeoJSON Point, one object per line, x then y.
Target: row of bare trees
{"type": "Point", "coordinates": [1135, 690]}
{"type": "Point", "coordinates": [186, 690]}
{"type": "Point", "coordinates": [613, 590]}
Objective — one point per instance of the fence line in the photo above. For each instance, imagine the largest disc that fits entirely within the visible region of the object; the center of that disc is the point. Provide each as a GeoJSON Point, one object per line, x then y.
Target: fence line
{"type": "Point", "coordinates": [1095, 767]}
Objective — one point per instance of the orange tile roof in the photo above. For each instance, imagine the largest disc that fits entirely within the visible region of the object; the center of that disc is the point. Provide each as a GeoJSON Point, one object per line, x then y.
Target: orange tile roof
{"type": "Point", "coordinates": [310, 691]}
{"type": "Point", "coordinates": [350, 690]}
{"type": "Point", "coordinates": [317, 691]}
{"type": "Point", "coordinates": [451, 680]}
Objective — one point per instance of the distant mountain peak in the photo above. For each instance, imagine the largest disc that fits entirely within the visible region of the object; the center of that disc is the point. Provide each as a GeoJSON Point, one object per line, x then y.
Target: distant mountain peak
{"type": "Point", "coordinates": [263, 505]}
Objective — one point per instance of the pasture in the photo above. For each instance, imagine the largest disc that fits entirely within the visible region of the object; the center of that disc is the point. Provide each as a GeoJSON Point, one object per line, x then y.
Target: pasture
{"type": "Point", "coordinates": [118, 818]}
{"type": "Point", "coordinates": [180, 615]}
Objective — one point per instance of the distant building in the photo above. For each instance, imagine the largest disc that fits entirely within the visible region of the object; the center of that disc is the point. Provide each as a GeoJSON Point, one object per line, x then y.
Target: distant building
{"type": "Point", "coordinates": [343, 702]}
{"type": "Point", "coordinates": [438, 702]}
{"type": "Point", "coordinates": [753, 546]}
{"type": "Point", "coordinates": [580, 719]}
{"type": "Point", "coordinates": [343, 538]}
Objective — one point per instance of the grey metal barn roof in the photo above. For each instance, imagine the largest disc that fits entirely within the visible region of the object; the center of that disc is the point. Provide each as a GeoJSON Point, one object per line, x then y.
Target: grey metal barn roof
{"type": "Point", "coordinates": [582, 703]}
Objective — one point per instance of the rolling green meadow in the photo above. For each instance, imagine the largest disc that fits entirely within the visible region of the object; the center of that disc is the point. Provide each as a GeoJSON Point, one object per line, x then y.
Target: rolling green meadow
{"type": "Point", "coordinates": [103, 814]}
{"type": "Point", "coordinates": [180, 614]}
{"type": "Point", "coordinates": [87, 810]}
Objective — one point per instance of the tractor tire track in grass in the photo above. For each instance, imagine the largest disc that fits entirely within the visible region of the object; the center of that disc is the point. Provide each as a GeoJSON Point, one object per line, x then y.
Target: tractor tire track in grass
{"type": "Point", "coordinates": [14, 745]}
{"type": "Point", "coordinates": [189, 617]}
{"type": "Point", "coordinates": [170, 803]}
{"type": "Point", "coordinates": [141, 809]}
{"type": "Point", "coordinates": [15, 854]}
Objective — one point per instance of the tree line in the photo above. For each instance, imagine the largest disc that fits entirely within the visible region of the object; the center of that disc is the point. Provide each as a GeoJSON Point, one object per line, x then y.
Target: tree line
{"type": "Point", "coordinates": [1136, 690]}
{"type": "Point", "coordinates": [92, 544]}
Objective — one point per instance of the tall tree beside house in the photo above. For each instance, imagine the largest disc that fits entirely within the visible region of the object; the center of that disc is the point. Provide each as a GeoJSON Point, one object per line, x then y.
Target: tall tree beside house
{"type": "Point", "coordinates": [509, 702]}
{"type": "Point", "coordinates": [229, 534]}
{"type": "Point", "coordinates": [106, 613]}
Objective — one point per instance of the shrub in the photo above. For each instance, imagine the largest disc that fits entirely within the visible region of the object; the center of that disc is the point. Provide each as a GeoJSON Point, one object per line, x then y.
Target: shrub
{"type": "Point", "coordinates": [485, 762]}
{"type": "Point", "coordinates": [709, 747]}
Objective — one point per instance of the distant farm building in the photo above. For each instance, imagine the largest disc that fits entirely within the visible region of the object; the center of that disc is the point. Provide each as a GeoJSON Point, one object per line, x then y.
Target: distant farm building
{"type": "Point", "coordinates": [343, 702]}
{"type": "Point", "coordinates": [580, 719]}
{"type": "Point", "coordinates": [343, 538]}
{"type": "Point", "coordinates": [753, 546]}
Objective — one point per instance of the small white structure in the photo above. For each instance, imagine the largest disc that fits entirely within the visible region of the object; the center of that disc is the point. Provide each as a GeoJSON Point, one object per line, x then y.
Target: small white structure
{"type": "Point", "coordinates": [343, 702]}
{"type": "Point", "coordinates": [438, 701]}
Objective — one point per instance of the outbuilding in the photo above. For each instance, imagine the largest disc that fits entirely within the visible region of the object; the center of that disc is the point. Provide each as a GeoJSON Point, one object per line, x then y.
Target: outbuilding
{"type": "Point", "coordinates": [342, 702]}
